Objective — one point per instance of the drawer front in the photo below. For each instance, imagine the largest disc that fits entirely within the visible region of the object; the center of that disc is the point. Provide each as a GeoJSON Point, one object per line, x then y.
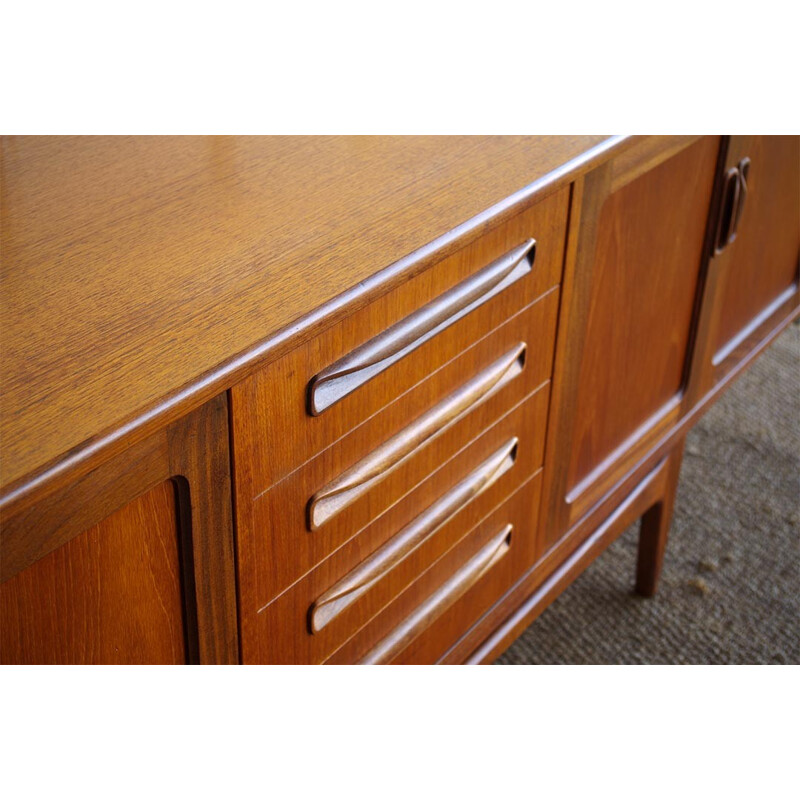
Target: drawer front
{"type": "Point", "coordinates": [308, 622]}
{"type": "Point", "coordinates": [305, 401]}
{"type": "Point", "coordinates": [307, 516]}
{"type": "Point", "coordinates": [423, 622]}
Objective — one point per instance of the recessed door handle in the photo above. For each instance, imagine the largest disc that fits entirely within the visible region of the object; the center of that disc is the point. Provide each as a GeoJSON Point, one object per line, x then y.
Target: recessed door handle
{"type": "Point", "coordinates": [743, 171]}
{"type": "Point", "coordinates": [734, 196]}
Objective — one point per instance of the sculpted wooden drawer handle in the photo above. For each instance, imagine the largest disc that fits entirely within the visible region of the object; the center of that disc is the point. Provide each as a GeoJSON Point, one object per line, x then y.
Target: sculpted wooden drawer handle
{"type": "Point", "coordinates": [372, 469]}
{"type": "Point", "coordinates": [441, 599]}
{"type": "Point", "coordinates": [374, 356]}
{"type": "Point", "coordinates": [368, 572]}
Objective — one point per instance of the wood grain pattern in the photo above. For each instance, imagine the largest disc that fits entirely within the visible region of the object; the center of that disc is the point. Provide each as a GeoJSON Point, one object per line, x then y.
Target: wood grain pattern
{"type": "Point", "coordinates": [699, 376]}
{"type": "Point", "coordinates": [280, 632]}
{"type": "Point", "coordinates": [272, 430]}
{"type": "Point", "coordinates": [642, 486]}
{"type": "Point", "coordinates": [716, 362]}
{"type": "Point", "coordinates": [109, 596]}
{"type": "Point", "coordinates": [654, 529]}
{"type": "Point", "coordinates": [550, 579]}
{"type": "Point", "coordinates": [622, 353]}
{"type": "Point", "coordinates": [646, 268]}
{"type": "Point", "coordinates": [646, 154]}
{"type": "Point", "coordinates": [42, 527]}
{"type": "Point", "coordinates": [160, 270]}
{"type": "Point", "coordinates": [378, 354]}
{"type": "Point", "coordinates": [200, 461]}
{"type": "Point", "coordinates": [441, 600]}
{"type": "Point", "coordinates": [174, 270]}
{"type": "Point", "coordinates": [275, 547]}
{"type": "Point", "coordinates": [358, 479]}
{"type": "Point", "coordinates": [280, 546]}
{"type": "Point", "coordinates": [498, 627]}
{"type": "Point", "coordinates": [447, 624]}
{"type": "Point", "coordinates": [632, 282]}
{"type": "Point", "coordinates": [586, 199]}
{"type": "Point", "coordinates": [761, 265]}
{"type": "Point", "coordinates": [190, 455]}
{"type": "Point", "coordinates": [387, 557]}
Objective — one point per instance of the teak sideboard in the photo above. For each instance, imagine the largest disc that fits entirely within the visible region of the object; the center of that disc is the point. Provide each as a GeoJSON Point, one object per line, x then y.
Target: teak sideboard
{"type": "Point", "coordinates": [359, 399]}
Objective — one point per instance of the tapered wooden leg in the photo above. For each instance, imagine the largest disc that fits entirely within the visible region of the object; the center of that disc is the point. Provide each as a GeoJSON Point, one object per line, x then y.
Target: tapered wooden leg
{"type": "Point", "coordinates": [654, 531]}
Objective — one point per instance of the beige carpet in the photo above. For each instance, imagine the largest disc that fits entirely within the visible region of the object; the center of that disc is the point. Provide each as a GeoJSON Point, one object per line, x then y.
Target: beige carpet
{"type": "Point", "coordinates": [730, 589]}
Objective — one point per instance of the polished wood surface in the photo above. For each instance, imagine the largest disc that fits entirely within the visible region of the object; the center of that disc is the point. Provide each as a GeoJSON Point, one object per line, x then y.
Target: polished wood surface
{"type": "Point", "coordinates": [272, 429]}
{"type": "Point", "coordinates": [761, 265]}
{"type": "Point", "coordinates": [357, 480]}
{"type": "Point", "coordinates": [503, 623]}
{"type": "Point", "coordinates": [143, 275]}
{"type": "Point", "coordinates": [112, 595]}
{"type": "Point", "coordinates": [654, 529]}
{"type": "Point", "coordinates": [335, 382]}
{"type": "Point", "coordinates": [199, 460]}
{"type": "Point", "coordinates": [734, 273]}
{"type": "Point", "coordinates": [425, 620]}
{"type": "Point", "coordinates": [67, 512]}
{"type": "Point", "coordinates": [278, 546]}
{"type": "Point", "coordinates": [631, 286]}
{"type": "Point", "coordinates": [646, 269]}
{"type": "Point", "coordinates": [332, 602]}
{"type": "Point", "coordinates": [644, 156]}
{"type": "Point", "coordinates": [433, 423]}
{"type": "Point", "coordinates": [586, 199]}
{"type": "Point", "coordinates": [700, 392]}
{"type": "Point", "coordinates": [283, 631]}
{"type": "Point", "coordinates": [389, 648]}
{"type": "Point", "coordinates": [275, 545]}
{"type": "Point", "coordinates": [192, 455]}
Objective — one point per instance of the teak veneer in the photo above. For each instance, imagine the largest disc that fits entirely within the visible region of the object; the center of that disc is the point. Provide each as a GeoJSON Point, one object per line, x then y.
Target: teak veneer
{"type": "Point", "coordinates": [359, 399]}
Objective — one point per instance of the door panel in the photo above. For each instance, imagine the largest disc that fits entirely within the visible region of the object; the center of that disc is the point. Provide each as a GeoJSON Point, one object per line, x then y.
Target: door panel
{"type": "Point", "coordinates": [760, 266]}
{"type": "Point", "coordinates": [130, 562]}
{"type": "Point", "coordinates": [111, 595]}
{"type": "Point", "coordinates": [647, 259]}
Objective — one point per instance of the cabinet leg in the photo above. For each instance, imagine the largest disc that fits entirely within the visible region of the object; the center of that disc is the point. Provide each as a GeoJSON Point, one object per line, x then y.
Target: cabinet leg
{"type": "Point", "coordinates": [654, 531]}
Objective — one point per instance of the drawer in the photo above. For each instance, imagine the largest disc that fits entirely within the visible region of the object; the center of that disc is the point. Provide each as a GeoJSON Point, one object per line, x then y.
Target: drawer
{"type": "Point", "coordinates": [304, 518]}
{"type": "Point", "coordinates": [319, 613]}
{"type": "Point", "coordinates": [432, 614]}
{"type": "Point", "coordinates": [300, 404]}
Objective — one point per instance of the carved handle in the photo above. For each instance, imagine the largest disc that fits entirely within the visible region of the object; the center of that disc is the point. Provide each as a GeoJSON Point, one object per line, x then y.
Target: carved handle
{"type": "Point", "coordinates": [373, 357]}
{"type": "Point", "coordinates": [734, 197]}
{"type": "Point", "coordinates": [372, 469]}
{"type": "Point", "coordinates": [730, 200]}
{"type": "Point", "coordinates": [384, 559]}
{"type": "Point", "coordinates": [744, 171]}
{"type": "Point", "coordinates": [441, 599]}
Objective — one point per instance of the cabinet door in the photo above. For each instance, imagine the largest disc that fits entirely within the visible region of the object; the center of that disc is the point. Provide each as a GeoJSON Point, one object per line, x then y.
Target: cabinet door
{"type": "Point", "coordinates": [757, 281]}
{"type": "Point", "coordinates": [131, 562]}
{"type": "Point", "coordinates": [630, 296]}
{"type": "Point", "coordinates": [111, 595]}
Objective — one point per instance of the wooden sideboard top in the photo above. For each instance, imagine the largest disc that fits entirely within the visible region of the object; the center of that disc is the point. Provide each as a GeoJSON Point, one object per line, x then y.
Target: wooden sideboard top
{"type": "Point", "coordinates": [143, 275]}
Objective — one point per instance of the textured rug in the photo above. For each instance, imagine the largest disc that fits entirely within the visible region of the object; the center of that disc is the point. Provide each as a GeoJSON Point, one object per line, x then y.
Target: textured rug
{"type": "Point", "coordinates": [730, 588]}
